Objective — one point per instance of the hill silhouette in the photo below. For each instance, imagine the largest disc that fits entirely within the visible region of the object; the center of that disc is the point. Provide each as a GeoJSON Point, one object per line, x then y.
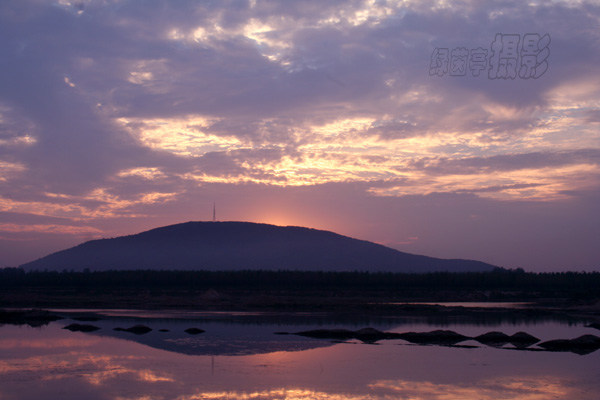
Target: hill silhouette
{"type": "Point", "coordinates": [243, 246]}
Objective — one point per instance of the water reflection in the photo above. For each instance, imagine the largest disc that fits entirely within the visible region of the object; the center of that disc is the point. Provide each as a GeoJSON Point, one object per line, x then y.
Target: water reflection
{"type": "Point", "coordinates": [542, 388]}
{"type": "Point", "coordinates": [246, 334]}
{"type": "Point", "coordinates": [539, 388]}
{"type": "Point", "coordinates": [55, 363]}
{"type": "Point", "coordinates": [219, 338]}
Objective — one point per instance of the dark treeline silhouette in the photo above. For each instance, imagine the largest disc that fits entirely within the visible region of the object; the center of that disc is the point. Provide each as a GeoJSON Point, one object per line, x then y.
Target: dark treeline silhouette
{"type": "Point", "coordinates": [544, 284]}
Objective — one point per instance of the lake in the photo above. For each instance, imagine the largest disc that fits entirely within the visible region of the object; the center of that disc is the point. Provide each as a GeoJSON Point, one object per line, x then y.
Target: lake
{"type": "Point", "coordinates": [239, 356]}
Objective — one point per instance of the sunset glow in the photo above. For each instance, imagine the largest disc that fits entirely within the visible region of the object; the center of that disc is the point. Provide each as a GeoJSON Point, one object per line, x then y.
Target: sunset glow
{"type": "Point", "coordinates": [116, 117]}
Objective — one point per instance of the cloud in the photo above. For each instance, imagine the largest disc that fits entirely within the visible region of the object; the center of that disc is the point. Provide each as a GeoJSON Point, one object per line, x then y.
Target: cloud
{"type": "Point", "coordinates": [123, 109]}
{"type": "Point", "coordinates": [509, 162]}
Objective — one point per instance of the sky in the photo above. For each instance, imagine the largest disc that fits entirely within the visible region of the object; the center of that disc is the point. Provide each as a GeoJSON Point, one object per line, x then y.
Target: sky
{"type": "Point", "coordinates": [453, 129]}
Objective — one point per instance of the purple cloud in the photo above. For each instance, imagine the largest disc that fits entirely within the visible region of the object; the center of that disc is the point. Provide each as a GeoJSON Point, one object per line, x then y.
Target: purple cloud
{"type": "Point", "coordinates": [118, 116]}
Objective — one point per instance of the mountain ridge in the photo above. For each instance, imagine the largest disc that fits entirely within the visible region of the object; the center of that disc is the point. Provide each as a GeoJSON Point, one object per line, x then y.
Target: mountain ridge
{"type": "Point", "coordinates": [233, 245]}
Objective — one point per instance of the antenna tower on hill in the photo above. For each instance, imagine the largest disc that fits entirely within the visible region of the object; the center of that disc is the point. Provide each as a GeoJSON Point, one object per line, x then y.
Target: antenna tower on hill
{"type": "Point", "coordinates": [214, 212]}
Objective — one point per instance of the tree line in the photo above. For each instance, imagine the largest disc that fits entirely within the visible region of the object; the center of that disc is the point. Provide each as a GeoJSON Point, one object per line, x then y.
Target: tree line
{"type": "Point", "coordinates": [499, 279]}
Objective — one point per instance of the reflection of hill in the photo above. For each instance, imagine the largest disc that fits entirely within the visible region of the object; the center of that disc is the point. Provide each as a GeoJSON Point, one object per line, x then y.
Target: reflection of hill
{"type": "Point", "coordinates": [224, 335]}
{"type": "Point", "coordinates": [227, 333]}
{"type": "Point", "coordinates": [254, 333]}
{"type": "Point", "coordinates": [247, 343]}
{"type": "Point", "coordinates": [241, 246]}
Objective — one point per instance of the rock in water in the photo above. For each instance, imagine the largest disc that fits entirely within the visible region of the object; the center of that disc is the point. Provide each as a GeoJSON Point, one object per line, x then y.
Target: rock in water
{"type": "Point", "coordinates": [496, 338]}
{"type": "Point", "coordinates": [523, 338]}
{"type": "Point", "coordinates": [137, 329]}
{"type": "Point", "coordinates": [194, 331]}
{"type": "Point", "coordinates": [81, 328]}
{"type": "Point", "coordinates": [434, 337]}
{"type": "Point", "coordinates": [582, 345]}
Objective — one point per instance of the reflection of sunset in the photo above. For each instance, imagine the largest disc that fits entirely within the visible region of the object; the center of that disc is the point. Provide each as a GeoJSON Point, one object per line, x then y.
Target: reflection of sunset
{"type": "Point", "coordinates": [97, 370]}
{"type": "Point", "coordinates": [102, 370]}
{"type": "Point", "coordinates": [542, 388]}
{"type": "Point", "coordinates": [505, 388]}
{"type": "Point", "coordinates": [53, 359]}
{"type": "Point", "coordinates": [280, 394]}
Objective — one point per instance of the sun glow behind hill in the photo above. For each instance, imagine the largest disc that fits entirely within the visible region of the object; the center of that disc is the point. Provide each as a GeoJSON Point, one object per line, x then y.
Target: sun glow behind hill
{"type": "Point", "coordinates": [298, 114]}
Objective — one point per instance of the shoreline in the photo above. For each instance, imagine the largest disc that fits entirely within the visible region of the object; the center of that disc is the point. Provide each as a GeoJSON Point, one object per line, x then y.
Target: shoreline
{"type": "Point", "coordinates": [260, 302]}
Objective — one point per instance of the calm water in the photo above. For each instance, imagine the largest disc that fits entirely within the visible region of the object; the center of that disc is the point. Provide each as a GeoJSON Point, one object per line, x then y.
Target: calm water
{"type": "Point", "coordinates": [487, 304]}
{"type": "Point", "coordinates": [240, 357]}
